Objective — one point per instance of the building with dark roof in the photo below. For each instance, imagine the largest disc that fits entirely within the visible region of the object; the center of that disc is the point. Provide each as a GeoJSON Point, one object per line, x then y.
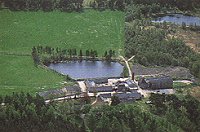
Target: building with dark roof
{"type": "Point", "coordinates": [160, 82]}
{"type": "Point", "coordinates": [100, 80]}
{"type": "Point", "coordinates": [69, 90]}
{"type": "Point", "coordinates": [124, 97]}
{"type": "Point", "coordinates": [131, 84]}
{"type": "Point", "coordinates": [73, 89]}
{"type": "Point", "coordinates": [106, 95]}
{"type": "Point", "coordinates": [100, 89]}
{"type": "Point", "coordinates": [89, 83]}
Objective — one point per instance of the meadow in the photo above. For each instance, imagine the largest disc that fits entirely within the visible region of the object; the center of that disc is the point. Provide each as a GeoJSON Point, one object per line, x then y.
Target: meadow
{"type": "Point", "coordinates": [20, 31]}
{"type": "Point", "coordinates": [101, 31]}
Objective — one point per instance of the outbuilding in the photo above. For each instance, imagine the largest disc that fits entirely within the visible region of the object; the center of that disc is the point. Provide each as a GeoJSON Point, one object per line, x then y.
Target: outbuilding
{"type": "Point", "coordinates": [160, 82]}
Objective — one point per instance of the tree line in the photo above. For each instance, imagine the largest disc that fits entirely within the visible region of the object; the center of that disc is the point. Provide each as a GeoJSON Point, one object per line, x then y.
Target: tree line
{"type": "Point", "coordinates": [45, 5]}
{"type": "Point", "coordinates": [181, 4]}
{"type": "Point", "coordinates": [62, 5]}
{"type": "Point", "coordinates": [108, 4]}
{"type": "Point", "coordinates": [46, 54]}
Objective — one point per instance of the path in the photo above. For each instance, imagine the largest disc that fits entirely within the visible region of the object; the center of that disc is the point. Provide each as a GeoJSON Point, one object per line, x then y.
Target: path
{"type": "Point", "coordinates": [82, 86]}
{"type": "Point", "coordinates": [127, 65]}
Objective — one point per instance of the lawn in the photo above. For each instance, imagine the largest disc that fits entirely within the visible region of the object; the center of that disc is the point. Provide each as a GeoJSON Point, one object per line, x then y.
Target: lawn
{"type": "Point", "coordinates": [101, 31]}
{"type": "Point", "coordinates": [20, 31]}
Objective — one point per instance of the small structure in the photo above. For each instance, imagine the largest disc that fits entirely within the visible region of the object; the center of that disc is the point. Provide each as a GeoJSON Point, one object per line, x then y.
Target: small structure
{"type": "Point", "coordinates": [105, 97]}
{"type": "Point", "coordinates": [89, 83]}
{"type": "Point", "coordinates": [126, 97]}
{"type": "Point", "coordinates": [131, 84]}
{"type": "Point", "coordinates": [122, 87]}
{"type": "Point", "coordinates": [72, 89]}
{"type": "Point", "coordinates": [160, 82]}
{"type": "Point", "coordinates": [100, 81]}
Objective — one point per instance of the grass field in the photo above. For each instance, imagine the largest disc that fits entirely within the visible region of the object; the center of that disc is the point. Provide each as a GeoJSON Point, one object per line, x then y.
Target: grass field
{"type": "Point", "coordinates": [18, 73]}
{"type": "Point", "coordinates": [20, 31]}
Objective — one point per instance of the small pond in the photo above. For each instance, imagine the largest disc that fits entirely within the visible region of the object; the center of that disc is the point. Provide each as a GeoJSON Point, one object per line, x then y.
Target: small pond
{"type": "Point", "coordinates": [88, 69]}
{"type": "Point", "coordinates": [179, 19]}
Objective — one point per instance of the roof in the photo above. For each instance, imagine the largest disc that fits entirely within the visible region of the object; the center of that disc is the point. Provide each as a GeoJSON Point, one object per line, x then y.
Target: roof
{"type": "Point", "coordinates": [159, 82]}
{"type": "Point", "coordinates": [89, 83]}
{"type": "Point", "coordinates": [70, 89]}
{"type": "Point", "coordinates": [134, 95]}
{"type": "Point", "coordinates": [101, 89]}
{"type": "Point", "coordinates": [100, 80]}
{"type": "Point", "coordinates": [159, 79]}
{"type": "Point", "coordinates": [73, 88]}
{"type": "Point", "coordinates": [50, 92]}
{"type": "Point", "coordinates": [107, 95]}
{"type": "Point", "coordinates": [131, 84]}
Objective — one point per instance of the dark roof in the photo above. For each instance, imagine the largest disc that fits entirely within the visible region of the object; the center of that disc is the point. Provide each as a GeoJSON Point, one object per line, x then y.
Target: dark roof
{"type": "Point", "coordinates": [158, 79]}
{"type": "Point", "coordinates": [131, 84]}
{"type": "Point", "coordinates": [73, 88]}
{"type": "Point", "coordinates": [50, 92]}
{"type": "Point", "coordinates": [134, 95]}
{"type": "Point", "coordinates": [70, 89]}
{"type": "Point", "coordinates": [107, 95]}
{"type": "Point", "coordinates": [101, 89]}
{"type": "Point", "coordinates": [100, 80]}
{"type": "Point", "coordinates": [160, 82]}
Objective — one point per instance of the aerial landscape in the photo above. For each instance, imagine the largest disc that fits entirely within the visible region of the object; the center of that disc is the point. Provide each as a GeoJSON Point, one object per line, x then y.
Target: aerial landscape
{"type": "Point", "coordinates": [100, 65]}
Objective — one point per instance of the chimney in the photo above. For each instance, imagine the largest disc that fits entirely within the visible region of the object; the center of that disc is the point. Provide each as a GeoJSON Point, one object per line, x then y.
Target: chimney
{"type": "Point", "coordinates": [133, 76]}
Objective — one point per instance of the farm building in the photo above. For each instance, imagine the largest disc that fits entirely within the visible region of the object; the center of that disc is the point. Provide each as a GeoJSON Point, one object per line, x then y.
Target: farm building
{"type": "Point", "coordinates": [100, 89]}
{"type": "Point", "coordinates": [89, 83]}
{"type": "Point", "coordinates": [126, 97]}
{"type": "Point", "coordinates": [160, 82]}
{"type": "Point", "coordinates": [105, 97]}
{"type": "Point", "coordinates": [131, 84]}
{"type": "Point", "coordinates": [69, 90]}
{"type": "Point", "coordinates": [100, 80]}
{"type": "Point", "coordinates": [122, 87]}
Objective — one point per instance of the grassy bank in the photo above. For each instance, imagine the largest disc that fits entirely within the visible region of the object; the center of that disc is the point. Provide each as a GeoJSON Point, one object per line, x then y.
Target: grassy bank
{"type": "Point", "coordinates": [18, 73]}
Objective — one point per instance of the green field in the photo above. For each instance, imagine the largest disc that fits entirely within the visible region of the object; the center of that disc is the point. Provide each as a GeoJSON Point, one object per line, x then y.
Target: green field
{"type": "Point", "coordinates": [20, 31]}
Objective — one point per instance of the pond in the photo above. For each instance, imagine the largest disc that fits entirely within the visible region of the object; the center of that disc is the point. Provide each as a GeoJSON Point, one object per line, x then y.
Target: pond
{"type": "Point", "coordinates": [179, 19]}
{"type": "Point", "coordinates": [88, 69]}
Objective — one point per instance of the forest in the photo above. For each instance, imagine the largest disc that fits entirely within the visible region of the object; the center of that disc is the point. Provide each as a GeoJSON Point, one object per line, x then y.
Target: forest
{"type": "Point", "coordinates": [23, 112]}
{"type": "Point", "coordinates": [150, 42]}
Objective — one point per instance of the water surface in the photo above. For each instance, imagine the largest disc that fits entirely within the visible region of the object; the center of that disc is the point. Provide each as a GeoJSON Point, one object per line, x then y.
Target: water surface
{"type": "Point", "coordinates": [88, 69]}
{"type": "Point", "coordinates": [179, 19]}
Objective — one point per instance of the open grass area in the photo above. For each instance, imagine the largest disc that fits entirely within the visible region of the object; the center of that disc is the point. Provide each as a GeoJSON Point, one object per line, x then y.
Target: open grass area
{"type": "Point", "coordinates": [18, 73]}
{"type": "Point", "coordinates": [20, 31]}
{"type": "Point", "coordinates": [101, 31]}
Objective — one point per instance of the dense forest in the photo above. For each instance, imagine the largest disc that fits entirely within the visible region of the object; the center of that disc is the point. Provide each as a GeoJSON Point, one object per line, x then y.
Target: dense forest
{"type": "Point", "coordinates": [23, 112]}
{"type": "Point", "coordinates": [150, 42]}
